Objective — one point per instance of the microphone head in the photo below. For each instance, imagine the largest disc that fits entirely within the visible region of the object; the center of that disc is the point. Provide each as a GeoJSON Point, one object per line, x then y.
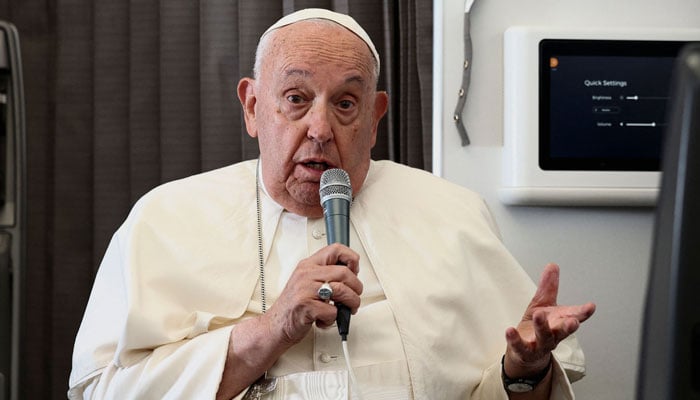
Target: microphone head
{"type": "Point", "coordinates": [335, 184]}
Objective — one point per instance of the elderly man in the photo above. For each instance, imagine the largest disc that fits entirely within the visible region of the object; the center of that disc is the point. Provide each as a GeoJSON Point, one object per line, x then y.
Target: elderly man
{"type": "Point", "coordinates": [210, 289]}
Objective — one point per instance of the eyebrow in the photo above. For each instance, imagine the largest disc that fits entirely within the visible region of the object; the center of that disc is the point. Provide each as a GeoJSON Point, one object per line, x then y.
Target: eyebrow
{"type": "Point", "coordinates": [355, 78]}
{"type": "Point", "coordinates": [296, 71]}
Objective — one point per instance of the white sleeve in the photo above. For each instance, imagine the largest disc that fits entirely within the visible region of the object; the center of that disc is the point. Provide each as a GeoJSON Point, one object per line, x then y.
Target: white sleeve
{"type": "Point", "coordinates": [171, 286]}
{"type": "Point", "coordinates": [184, 369]}
{"type": "Point", "coordinates": [102, 323]}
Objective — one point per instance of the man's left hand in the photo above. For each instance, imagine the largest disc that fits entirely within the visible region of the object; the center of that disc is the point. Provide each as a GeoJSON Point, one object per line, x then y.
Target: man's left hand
{"type": "Point", "coordinates": [542, 327]}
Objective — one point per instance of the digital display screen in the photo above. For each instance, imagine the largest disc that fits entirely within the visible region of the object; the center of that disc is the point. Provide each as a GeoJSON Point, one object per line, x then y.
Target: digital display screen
{"type": "Point", "coordinates": [603, 103]}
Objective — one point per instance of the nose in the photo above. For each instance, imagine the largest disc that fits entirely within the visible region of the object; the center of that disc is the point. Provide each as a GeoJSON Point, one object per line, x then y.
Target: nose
{"type": "Point", "coordinates": [320, 128]}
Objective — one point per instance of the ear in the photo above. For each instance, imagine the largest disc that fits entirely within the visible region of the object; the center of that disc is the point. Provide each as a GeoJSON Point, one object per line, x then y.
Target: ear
{"type": "Point", "coordinates": [381, 104]}
{"type": "Point", "coordinates": [246, 95]}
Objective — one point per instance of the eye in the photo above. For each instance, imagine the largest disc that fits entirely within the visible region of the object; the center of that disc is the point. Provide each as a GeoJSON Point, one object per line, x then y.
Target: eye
{"type": "Point", "coordinates": [346, 104]}
{"type": "Point", "coordinates": [295, 99]}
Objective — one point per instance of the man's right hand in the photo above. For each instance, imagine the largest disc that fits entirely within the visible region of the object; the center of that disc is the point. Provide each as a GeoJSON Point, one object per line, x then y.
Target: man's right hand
{"type": "Point", "coordinates": [299, 307]}
{"type": "Point", "coordinates": [255, 344]}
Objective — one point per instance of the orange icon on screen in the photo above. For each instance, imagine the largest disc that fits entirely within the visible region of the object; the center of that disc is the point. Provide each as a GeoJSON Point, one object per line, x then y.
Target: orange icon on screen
{"type": "Point", "coordinates": [553, 62]}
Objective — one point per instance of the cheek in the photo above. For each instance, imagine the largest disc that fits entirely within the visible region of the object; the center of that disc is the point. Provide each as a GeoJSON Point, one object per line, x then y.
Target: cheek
{"type": "Point", "coordinates": [360, 135]}
{"type": "Point", "coordinates": [278, 145]}
{"type": "Point", "coordinates": [272, 126]}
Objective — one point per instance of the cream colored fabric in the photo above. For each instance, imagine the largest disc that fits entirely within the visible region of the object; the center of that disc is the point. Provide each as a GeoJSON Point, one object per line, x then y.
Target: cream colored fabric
{"type": "Point", "coordinates": [318, 385]}
{"type": "Point", "coordinates": [329, 385]}
{"type": "Point", "coordinates": [181, 271]}
{"type": "Point", "coordinates": [375, 345]}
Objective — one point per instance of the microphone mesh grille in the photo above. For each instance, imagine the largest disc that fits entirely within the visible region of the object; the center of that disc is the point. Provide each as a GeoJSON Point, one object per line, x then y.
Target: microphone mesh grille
{"type": "Point", "coordinates": [335, 183]}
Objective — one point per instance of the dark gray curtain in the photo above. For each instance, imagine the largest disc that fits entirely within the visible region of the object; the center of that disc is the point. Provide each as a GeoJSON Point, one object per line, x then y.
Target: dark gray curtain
{"type": "Point", "coordinates": [124, 95]}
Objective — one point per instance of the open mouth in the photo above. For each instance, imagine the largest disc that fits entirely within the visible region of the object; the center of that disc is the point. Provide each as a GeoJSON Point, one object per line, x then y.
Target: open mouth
{"type": "Point", "coordinates": [319, 166]}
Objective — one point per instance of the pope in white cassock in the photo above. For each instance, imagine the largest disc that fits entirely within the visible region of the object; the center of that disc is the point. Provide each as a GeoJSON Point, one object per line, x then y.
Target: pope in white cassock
{"type": "Point", "coordinates": [210, 288]}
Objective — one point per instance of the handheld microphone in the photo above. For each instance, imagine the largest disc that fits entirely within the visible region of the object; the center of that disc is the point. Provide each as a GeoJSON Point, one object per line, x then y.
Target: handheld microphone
{"type": "Point", "coordinates": [336, 195]}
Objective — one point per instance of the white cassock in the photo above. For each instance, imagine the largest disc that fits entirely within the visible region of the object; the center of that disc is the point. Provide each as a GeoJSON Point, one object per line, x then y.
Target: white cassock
{"type": "Point", "coordinates": [439, 291]}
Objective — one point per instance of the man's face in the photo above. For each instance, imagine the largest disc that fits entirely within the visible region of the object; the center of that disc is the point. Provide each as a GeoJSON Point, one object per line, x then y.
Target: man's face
{"type": "Point", "coordinates": [313, 107]}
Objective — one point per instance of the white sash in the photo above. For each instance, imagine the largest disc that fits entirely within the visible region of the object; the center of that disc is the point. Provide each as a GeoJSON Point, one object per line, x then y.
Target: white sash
{"type": "Point", "coordinates": [328, 385]}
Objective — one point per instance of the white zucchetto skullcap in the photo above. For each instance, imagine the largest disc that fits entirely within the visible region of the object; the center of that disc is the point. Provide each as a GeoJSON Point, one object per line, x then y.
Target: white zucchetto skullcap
{"type": "Point", "coordinates": [319, 13]}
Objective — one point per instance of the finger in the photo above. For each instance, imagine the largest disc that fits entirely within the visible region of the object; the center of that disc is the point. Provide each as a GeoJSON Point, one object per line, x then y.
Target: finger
{"type": "Point", "coordinates": [326, 315]}
{"type": "Point", "coordinates": [587, 311]}
{"type": "Point", "coordinates": [338, 254]}
{"type": "Point", "coordinates": [352, 262]}
{"type": "Point", "coordinates": [324, 324]}
{"type": "Point", "coordinates": [516, 343]}
{"type": "Point", "coordinates": [339, 274]}
{"type": "Point", "coordinates": [308, 276]}
{"type": "Point", "coordinates": [580, 312]}
{"type": "Point", "coordinates": [548, 287]}
{"type": "Point", "coordinates": [345, 295]}
{"type": "Point", "coordinates": [563, 329]}
{"type": "Point", "coordinates": [545, 337]}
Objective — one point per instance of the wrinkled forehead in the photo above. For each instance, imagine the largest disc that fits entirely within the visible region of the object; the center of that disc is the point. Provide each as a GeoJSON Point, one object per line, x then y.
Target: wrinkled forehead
{"type": "Point", "coordinates": [321, 14]}
{"type": "Point", "coordinates": [312, 50]}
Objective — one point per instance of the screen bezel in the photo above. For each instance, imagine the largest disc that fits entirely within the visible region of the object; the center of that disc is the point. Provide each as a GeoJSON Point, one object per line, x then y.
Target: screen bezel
{"type": "Point", "coordinates": [598, 48]}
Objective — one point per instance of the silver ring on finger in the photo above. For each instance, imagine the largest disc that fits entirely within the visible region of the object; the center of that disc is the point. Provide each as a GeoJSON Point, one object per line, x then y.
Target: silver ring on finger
{"type": "Point", "coordinates": [325, 292]}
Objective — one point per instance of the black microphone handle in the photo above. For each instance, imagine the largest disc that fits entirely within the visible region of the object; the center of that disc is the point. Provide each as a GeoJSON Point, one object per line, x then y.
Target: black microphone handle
{"type": "Point", "coordinates": [343, 320]}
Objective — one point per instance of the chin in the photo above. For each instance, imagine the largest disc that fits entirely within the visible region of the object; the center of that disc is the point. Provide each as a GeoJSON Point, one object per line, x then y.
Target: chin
{"type": "Point", "coordinates": [302, 198]}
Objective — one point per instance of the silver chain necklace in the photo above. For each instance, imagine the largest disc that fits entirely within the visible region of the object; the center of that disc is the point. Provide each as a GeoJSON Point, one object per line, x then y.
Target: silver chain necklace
{"type": "Point", "coordinates": [263, 385]}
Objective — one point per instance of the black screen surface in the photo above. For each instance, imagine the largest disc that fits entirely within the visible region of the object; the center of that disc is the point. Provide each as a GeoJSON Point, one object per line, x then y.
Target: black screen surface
{"type": "Point", "coordinates": [603, 103]}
